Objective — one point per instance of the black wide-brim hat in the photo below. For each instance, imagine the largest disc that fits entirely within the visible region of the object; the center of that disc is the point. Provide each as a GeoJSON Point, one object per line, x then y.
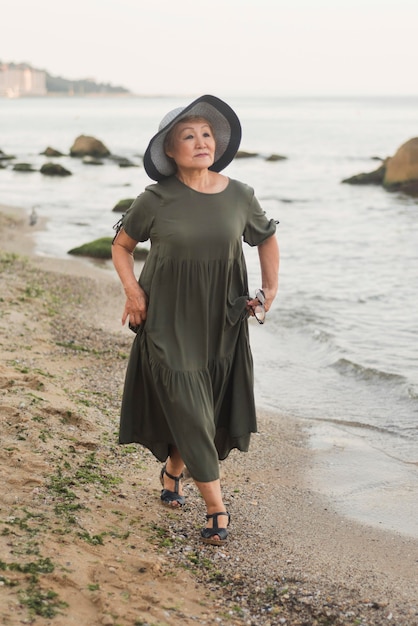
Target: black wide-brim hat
{"type": "Point", "coordinates": [225, 125]}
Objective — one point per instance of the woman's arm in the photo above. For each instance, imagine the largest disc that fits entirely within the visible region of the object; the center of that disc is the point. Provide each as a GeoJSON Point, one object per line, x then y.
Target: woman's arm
{"type": "Point", "coordinates": [269, 256]}
{"type": "Point", "coordinates": [123, 259]}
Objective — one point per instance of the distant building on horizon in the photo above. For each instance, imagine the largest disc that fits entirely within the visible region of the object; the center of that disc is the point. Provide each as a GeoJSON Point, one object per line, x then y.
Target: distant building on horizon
{"type": "Point", "coordinates": [21, 80]}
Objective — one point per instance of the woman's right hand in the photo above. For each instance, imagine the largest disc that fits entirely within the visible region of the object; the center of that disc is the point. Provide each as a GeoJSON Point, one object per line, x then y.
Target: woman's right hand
{"type": "Point", "coordinates": [135, 307]}
{"type": "Point", "coordinates": [136, 299]}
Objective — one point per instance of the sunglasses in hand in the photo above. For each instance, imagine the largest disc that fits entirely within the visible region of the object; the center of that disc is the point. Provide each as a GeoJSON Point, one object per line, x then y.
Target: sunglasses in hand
{"type": "Point", "coordinates": [259, 309]}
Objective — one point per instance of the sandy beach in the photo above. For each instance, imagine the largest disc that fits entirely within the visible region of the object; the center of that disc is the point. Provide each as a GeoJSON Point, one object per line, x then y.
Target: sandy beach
{"type": "Point", "coordinates": [84, 539]}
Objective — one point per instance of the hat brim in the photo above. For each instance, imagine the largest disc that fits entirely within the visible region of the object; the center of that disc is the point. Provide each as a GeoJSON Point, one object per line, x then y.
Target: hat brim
{"type": "Point", "coordinates": [226, 127]}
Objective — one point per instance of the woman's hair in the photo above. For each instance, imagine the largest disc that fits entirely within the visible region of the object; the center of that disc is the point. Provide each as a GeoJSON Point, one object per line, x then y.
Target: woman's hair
{"type": "Point", "coordinates": [168, 140]}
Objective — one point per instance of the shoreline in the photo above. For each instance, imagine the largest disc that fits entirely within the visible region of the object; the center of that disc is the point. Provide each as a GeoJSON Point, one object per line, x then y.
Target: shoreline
{"type": "Point", "coordinates": [288, 546]}
{"type": "Point", "coordinates": [381, 491]}
{"type": "Point", "coordinates": [368, 498]}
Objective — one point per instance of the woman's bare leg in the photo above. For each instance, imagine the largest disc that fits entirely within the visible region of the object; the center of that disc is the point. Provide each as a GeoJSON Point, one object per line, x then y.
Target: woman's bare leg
{"type": "Point", "coordinates": [211, 493]}
{"type": "Point", "coordinates": [175, 467]}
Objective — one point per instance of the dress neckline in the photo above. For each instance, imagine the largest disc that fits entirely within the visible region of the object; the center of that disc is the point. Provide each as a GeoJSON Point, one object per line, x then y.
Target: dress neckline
{"type": "Point", "coordinates": [203, 193]}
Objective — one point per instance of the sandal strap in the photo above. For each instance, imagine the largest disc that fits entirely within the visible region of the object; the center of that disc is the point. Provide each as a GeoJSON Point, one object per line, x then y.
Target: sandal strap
{"type": "Point", "coordinates": [215, 531]}
{"type": "Point", "coordinates": [215, 516]}
{"type": "Point", "coordinates": [176, 479]}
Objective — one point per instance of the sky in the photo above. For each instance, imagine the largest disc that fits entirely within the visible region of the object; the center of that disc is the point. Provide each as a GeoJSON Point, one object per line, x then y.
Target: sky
{"type": "Point", "coordinates": [224, 47]}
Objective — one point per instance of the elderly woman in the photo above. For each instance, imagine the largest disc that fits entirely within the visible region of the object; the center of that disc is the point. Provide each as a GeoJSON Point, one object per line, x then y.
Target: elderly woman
{"type": "Point", "coordinates": [188, 393]}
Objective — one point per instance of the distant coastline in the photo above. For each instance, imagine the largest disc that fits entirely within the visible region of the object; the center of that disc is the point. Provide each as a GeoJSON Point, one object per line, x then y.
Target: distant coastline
{"type": "Point", "coordinates": [19, 80]}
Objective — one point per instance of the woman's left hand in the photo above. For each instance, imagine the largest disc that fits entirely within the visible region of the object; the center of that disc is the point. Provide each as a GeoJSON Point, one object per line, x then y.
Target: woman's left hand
{"type": "Point", "coordinates": [269, 295]}
{"type": "Point", "coordinates": [268, 253]}
{"type": "Point", "coordinates": [269, 256]}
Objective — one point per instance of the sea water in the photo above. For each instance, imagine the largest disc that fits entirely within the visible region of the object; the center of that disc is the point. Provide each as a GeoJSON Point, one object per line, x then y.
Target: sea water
{"type": "Point", "coordinates": [339, 348]}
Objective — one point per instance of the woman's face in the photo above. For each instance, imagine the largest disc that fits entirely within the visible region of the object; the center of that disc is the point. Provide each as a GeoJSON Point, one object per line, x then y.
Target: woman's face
{"type": "Point", "coordinates": [192, 144]}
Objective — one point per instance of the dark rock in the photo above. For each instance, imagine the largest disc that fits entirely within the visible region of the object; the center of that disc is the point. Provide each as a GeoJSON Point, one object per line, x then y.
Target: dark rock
{"type": "Point", "coordinates": [127, 163]}
{"type": "Point", "coordinates": [85, 145]}
{"type": "Point", "coordinates": [369, 178]}
{"type": "Point", "coordinates": [122, 161]}
{"type": "Point", "coordinates": [410, 187]}
{"type": "Point", "coordinates": [123, 205]}
{"type": "Point", "coordinates": [242, 154]}
{"type": "Point", "coordinates": [6, 157]}
{"type": "Point", "coordinates": [275, 157]}
{"type": "Point", "coordinates": [24, 167]}
{"type": "Point", "coordinates": [51, 152]}
{"type": "Point", "coordinates": [54, 169]}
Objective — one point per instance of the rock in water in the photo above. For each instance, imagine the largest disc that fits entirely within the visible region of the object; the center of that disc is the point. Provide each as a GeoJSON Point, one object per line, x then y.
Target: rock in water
{"type": "Point", "coordinates": [403, 166]}
{"type": "Point", "coordinates": [54, 169]}
{"type": "Point", "coordinates": [85, 145]}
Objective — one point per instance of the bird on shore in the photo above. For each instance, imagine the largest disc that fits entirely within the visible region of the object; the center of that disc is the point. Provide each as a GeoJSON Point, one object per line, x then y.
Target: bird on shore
{"type": "Point", "coordinates": [33, 217]}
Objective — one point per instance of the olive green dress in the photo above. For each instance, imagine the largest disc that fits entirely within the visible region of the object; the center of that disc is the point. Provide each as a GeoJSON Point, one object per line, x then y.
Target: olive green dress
{"type": "Point", "coordinates": [189, 380]}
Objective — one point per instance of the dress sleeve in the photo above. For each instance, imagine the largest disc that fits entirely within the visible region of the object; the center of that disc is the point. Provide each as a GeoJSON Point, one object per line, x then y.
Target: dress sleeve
{"type": "Point", "coordinates": [138, 220]}
{"type": "Point", "coordinates": [258, 228]}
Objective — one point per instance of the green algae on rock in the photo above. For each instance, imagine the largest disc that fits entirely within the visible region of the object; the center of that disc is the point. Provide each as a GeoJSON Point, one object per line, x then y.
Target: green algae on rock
{"type": "Point", "coordinates": [102, 249]}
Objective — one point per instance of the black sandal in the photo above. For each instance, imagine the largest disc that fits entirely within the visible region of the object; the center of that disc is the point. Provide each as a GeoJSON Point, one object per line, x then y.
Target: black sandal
{"type": "Point", "coordinates": [208, 534]}
{"type": "Point", "coordinates": [169, 497]}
